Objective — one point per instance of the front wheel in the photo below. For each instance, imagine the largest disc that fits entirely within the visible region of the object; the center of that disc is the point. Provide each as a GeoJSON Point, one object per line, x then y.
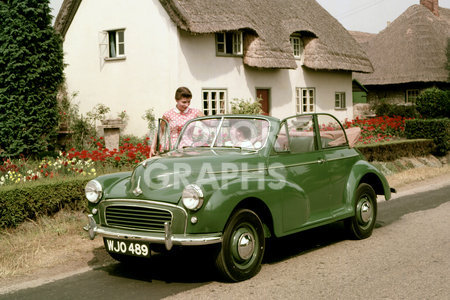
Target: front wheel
{"type": "Point", "coordinates": [362, 223]}
{"type": "Point", "coordinates": [242, 246]}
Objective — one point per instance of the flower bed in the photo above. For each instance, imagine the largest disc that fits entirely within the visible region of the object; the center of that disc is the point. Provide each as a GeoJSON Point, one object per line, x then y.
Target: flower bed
{"type": "Point", "coordinates": [75, 163]}
{"type": "Point", "coordinates": [379, 129]}
{"type": "Point", "coordinates": [101, 160]}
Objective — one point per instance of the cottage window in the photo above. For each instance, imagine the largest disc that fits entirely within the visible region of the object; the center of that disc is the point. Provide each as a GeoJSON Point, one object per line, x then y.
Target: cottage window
{"type": "Point", "coordinates": [214, 101]}
{"type": "Point", "coordinates": [305, 100]}
{"type": "Point", "coordinates": [339, 100]}
{"type": "Point", "coordinates": [229, 43]}
{"type": "Point", "coordinates": [116, 43]}
{"type": "Point", "coordinates": [297, 45]}
{"type": "Point", "coordinates": [411, 96]}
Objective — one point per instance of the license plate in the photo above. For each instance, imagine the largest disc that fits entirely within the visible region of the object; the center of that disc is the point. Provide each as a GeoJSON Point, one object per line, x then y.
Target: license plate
{"type": "Point", "coordinates": [127, 247]}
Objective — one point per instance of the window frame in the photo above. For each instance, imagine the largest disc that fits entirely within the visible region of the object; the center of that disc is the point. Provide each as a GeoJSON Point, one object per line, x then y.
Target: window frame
{"type": "Point", "coordinates": [407, 96]}
{"type": "Point", "coordinates": [342, 101]}
{"type": "Point", "coordinates": [299, 103]}
{"type": "Point", "coordinates": [119, 53]}
{"type": "Point", "coordinates": [237, 43]}
{"type": "Point", "coordinates": [216, 108]}
{"type": "Point", "coordinates": [296, 52]}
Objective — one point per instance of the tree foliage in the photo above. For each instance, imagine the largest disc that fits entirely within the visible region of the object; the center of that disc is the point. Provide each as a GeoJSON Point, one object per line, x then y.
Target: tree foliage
{"type": "Point", "coordinates": [434, 103]}
{"type": "Point", "coordinates": [241, 106]}
{"type": "Point", "coordinates": [31, 69]}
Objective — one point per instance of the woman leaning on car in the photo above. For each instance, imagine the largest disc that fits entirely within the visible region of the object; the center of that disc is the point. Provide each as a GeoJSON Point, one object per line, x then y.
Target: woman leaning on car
{"type": "Point", "coordinates": [178, 116]}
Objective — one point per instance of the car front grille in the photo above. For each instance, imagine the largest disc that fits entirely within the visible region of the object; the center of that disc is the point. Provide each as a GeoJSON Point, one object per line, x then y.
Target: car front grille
{"type": "Point", "coordinates": [137, 217]}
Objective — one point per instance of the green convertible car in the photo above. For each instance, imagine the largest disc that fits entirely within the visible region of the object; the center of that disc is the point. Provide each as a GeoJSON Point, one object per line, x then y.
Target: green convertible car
{"type": "Point", "coordinates": [235, 180]}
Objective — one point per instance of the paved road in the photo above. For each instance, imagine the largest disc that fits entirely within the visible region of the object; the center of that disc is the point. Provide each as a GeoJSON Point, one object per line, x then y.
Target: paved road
{"type": "Point", "coordinates": [407, 257]}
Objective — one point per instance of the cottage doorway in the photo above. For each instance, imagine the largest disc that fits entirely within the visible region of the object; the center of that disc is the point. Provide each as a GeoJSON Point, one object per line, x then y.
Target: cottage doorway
{"type": "Point", "coordinates": [264, 95]}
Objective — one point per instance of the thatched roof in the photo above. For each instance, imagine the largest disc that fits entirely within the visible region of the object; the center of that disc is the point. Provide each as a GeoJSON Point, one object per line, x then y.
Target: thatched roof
{"type": "Point", "coordinates": [329, 46]}
{"type": "Point", "coordinates": [268, 25]}
{"type": "Point", "coordinates": [413, 48]}
{"type": "Point", "coordinates": [65, 15]}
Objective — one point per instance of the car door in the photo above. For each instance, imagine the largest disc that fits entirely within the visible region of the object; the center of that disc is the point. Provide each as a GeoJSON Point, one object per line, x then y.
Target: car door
{"type": "Point", "coordinates": [299, 161]}
{"type": "Point", "coordinates": [339, 160]}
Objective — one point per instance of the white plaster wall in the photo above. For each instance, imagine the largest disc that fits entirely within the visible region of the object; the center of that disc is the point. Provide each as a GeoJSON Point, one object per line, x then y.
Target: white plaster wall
{"type": "Point", "coordinates": [159, 58]}
{"type": "Point", "coordinates": [200, 68]}
{"type": "Point", "coordinates": [145, 79]}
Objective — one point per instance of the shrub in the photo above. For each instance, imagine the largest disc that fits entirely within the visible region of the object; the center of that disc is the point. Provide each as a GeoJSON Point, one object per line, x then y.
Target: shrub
{"type": "Point", "coordinates": [393, 110]}
{"type": "Point", "coordinates": [397, 149]}
{"type": "Point", "coordinates": [149, 116]}
{"type": "Point", "coordinates": [31, 70]}
{"type": "Point", "coordinates": [434, 103]}
{"type": "Point", "coordinates": [28, 201]}
{"type": "Point", "coordinates": [250, 107]}
{"type": "Point", "coordinates": [437, 129]}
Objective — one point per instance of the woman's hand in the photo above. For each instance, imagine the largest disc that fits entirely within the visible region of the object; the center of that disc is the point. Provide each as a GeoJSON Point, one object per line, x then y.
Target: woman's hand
{"type": "Point", "coordinates": [152, 152]}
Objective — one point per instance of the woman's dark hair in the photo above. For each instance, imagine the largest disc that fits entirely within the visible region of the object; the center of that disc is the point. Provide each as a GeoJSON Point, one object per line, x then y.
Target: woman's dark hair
{"type": "Point", "coordinates": [245, 131]}
{"type": "Point", "coordinates": [183, 92]}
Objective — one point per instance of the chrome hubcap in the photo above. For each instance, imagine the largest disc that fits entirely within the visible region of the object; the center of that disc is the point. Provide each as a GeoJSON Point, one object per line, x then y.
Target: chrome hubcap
{"type": "Point", "coordinates": [246, 246]}
{"type": "Point", "coordinates": [366, 212]}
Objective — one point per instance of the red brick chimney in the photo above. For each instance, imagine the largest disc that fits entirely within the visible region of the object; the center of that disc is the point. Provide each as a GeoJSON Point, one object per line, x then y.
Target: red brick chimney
{"type": "Point", "coordinates": [432, 5]}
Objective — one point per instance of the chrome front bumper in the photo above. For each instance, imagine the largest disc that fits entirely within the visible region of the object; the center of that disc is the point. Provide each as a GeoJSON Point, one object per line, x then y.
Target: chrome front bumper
{"type": "Point", "coordinates": [166, 238]}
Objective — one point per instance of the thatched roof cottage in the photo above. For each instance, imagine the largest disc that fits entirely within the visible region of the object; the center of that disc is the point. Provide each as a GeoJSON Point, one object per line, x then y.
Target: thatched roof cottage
{"type": "Point", "coordinates": [133, 55]}
{"type": "Point", "coordinates": [411, 54]}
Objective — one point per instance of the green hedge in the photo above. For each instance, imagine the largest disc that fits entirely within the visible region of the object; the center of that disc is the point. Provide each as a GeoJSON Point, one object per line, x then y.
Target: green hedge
{"type": "Point", "coordinates": [393, 110]}
{"type": "Point", "coordinates": [390, 151]}
{"type": "Point", "coordinates": [27, 201]}
{"type": "Point", "coordinates": [436, 129]}
{"type": "Point", "coordinates": [433, 103]}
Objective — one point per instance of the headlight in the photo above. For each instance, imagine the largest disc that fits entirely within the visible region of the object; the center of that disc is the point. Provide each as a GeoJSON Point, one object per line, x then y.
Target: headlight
{"type": "Point", "coordinates": [192, 197]}
{"type": "Point", "coordinates": [93, 191]}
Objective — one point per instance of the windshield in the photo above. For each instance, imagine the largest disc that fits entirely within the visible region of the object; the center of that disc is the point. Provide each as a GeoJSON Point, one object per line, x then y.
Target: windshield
{"type": "Point", "coordinates": [227, 132]}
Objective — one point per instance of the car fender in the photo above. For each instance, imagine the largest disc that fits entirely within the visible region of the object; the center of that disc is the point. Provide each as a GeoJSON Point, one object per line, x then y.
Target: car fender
{"type": "Point", "coordinates": [111, 183]}
{"type": "Point", "coordinates": [364, 172]}
{"type": "Point", "coordinates": [221, 202]}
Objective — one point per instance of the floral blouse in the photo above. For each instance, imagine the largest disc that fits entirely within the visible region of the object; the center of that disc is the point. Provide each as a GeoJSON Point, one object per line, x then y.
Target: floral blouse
{"type": "Point", "coordinates": [177, 119]}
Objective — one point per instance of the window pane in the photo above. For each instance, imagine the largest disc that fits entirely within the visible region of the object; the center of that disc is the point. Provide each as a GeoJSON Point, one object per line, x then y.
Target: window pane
{"type": "Point", "coordinates": [121, 36]}
{"type": "Point", "coordinates": [237, 43]}
{"type": "Point", "coordinates": [301, 134]}
{"type": "Point", "coordinates": [121, 49]}
{"type": "Point", "coordinates": [229, 43]}
{"type": "Point", "coordinates": [331, 132]}
{"type": "Point", "coordinates": [220, 37]}
{"type": "Point", "coordinates": [112, 43]}
{"type": "Point", "coordinates": [220, 42]}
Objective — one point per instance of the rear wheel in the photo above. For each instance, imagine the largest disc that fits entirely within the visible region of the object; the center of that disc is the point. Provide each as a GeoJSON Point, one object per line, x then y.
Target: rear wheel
{"type": "Point", "coordinates": [361, 225]}
{"type": "Point", "coordinates": [242, 246]}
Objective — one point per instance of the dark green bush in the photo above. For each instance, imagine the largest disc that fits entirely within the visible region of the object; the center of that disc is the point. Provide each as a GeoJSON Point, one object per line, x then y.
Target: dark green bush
{"type": "Point", "coordinates": [434, 103]}
{"type": "Point", "coordinates": [28, 201]}
{"type": "Point", "coordinates": [31, 70]}
{"type": "Point", "coordinates": [394, 150]}
{"type": "Point", "coordinates": [392, 110]}
{"type": "Point", "coordinates": [436, 129]}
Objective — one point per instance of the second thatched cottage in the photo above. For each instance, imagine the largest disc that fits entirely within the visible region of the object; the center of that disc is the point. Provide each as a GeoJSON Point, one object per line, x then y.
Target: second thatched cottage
{"type": "Point", "coordinates": [132, 55]}
{"type": "Point", "coordinates": [410, 55]}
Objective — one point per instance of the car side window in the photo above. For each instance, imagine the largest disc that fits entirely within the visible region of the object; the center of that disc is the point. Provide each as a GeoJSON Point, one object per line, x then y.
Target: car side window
{"type": "Point", "coordinates": [301, 134]}
{"type": "Point", "coordinates": [282, 144]}
{"type": "Point", "coordinates": [331, 132]}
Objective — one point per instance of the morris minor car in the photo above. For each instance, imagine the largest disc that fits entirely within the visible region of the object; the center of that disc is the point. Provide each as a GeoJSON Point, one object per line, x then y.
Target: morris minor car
{"type": "Point", "coordinates": [234, 181]}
